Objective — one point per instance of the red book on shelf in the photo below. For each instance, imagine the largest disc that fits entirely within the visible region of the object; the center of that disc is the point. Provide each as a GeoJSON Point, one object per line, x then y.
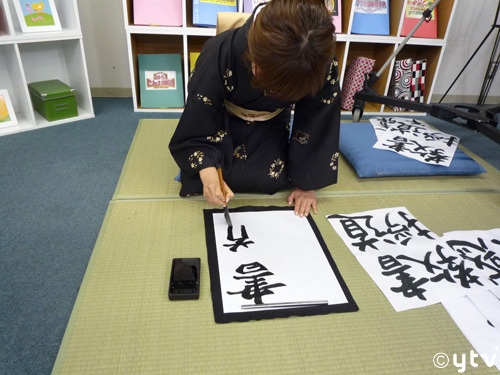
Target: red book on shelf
{"type": "Point", "coordinates": [413, 13]}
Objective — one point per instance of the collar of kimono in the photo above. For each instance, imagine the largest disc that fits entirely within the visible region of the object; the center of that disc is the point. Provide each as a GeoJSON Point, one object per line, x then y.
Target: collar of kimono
{"type": "Point", "coordinates": [250, 114]}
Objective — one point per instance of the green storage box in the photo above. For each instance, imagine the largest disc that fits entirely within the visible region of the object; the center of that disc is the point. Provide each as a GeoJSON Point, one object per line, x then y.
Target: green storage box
{"type": "Point", "coordinates": [53, 99]}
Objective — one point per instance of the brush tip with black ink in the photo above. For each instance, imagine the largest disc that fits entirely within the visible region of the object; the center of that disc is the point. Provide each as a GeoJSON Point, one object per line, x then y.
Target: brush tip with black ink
{"type": "Point", "coordinates": [227, 217]}
{"type": "Point", "coordinates": [226, 210]}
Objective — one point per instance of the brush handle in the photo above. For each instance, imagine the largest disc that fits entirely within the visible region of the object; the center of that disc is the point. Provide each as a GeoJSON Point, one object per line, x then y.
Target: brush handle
{"type": "Point", "coordinates": [221, 182]}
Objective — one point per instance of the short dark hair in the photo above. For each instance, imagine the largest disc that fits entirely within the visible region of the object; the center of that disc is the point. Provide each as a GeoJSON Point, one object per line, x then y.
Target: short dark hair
{"type": "Point", "coordinates": [292, 43]}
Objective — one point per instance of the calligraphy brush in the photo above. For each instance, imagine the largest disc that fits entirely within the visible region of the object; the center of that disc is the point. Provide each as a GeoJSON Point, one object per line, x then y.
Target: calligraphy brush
{"type": "Point", "coordinates": [226, 210]}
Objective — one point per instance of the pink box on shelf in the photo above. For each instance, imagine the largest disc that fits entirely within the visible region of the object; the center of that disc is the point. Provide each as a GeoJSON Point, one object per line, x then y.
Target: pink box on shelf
{"type": "Point", "coordinates": [354, 78]}
{"type": "Point", "coordinates": [158, 12]}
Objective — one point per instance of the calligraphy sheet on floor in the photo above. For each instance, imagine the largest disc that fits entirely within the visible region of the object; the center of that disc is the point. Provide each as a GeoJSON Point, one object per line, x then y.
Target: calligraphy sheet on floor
{"type": "Point", "coordinates": [414, 267]}
{"type": "Point", "coordinates": [271, 256]}
{"type": "Point", "coordinates": [474, 316]}
{"type": "Point", "coordinates": [414, 139]}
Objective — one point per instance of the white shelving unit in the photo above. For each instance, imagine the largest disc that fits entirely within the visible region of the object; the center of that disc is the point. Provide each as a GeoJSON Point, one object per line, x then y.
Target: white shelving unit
{"type": "Point", "coordinates": [189, 38]}
{"type": "Point", "coordinates": [31, 57]}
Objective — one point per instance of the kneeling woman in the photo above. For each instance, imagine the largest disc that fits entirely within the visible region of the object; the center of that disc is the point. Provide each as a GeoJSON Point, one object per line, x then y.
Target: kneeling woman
{"type": "Point", "coordinates": [238, 110]}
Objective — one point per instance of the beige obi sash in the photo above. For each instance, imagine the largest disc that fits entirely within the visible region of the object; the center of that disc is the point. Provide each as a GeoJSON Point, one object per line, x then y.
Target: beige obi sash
{"type": "Point", "coordinates": [249, 114]}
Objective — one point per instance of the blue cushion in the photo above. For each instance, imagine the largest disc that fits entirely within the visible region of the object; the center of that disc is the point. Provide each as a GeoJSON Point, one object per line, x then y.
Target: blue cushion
{"type": "Point", "coordinates": [178, 177]}
{"type": "Point", "coordinates": [356, 144]}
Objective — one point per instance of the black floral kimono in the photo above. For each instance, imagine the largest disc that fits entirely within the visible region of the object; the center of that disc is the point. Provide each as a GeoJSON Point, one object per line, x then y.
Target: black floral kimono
{"type": "Point", "coordinates": [220, 127]}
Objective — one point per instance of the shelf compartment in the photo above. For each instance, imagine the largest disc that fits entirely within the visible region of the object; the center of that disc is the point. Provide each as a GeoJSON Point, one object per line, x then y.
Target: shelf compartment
{"type": "Point", "coordinates": [68, 16]}
{"type": "Point", "coordinates": [153, 44]}
{"type": "Point", "coordinates": [396, 9]}
{"type": "Point", "coordinates": [429, 53]}
{"type": "Point", "coordinates": [12, 78]}
{"type": "Point", "coordinates": [444, 14]}
{"type": "Point", "coordinates": [195, 43]}
{"type": "Point", "coordinates": [190, 38]}
{"type": "Point", "coordinates": [346, 14]}
{"type": "Point", "coordinates": [5, 20]}
{"type": "Point", "coordinates": [380, 53]}
{"type": "Point", "coordinates": [63, 60]}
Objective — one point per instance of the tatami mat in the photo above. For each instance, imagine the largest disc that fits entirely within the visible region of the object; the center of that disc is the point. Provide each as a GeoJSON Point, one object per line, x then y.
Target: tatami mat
{"type": "Point", "coordinates": [149, 169]}
{"type": "Point", "coordinates": [149, 172]}
{"type": "Point", "coordinates": [123, 322]}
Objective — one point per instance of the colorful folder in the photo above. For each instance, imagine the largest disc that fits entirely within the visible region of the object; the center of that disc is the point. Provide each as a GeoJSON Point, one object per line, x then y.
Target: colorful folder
{"type": "Point", "coordinates": [408, 81]}
{"type": "Point", "coordinates": [400, 85]}
{"type": "Point", "coordinates": [193, 56]}
{"type": "Point", "coordinates": [413, 14]}
{"type": "Point", "coordinates": [205, 11]}
{"type": "Point", "coordinates": [158, 12]}
{"type": "Point", "coordinates": [371, 17]}
{"type": "Point", "coordinates": [160, 79]}
{"type": "Point", "coordinates": [354, 79]}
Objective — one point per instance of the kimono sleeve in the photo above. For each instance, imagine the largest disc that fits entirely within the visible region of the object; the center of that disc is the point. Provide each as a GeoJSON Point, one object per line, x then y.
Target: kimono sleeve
{"type": "Point", "coordinates": [199, 139]}
{"type": "Point", "coordinates": [314, 143]}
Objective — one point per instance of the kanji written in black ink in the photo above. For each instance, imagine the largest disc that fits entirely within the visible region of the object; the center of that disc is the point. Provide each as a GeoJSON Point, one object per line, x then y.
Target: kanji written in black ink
{"type": "Point", "coordinates": [436, 156]}
{"type": "Point", "coordinates": [254, 275]}
{"type": "Point", "coordinates": [398, 144]}
{"type": "Point", "coordinates": [453, 269]}
{"type": "Point", "coordinates": [413, 224]}
{"type": "Point", "coordinates": [240, 241]}
{"type": "Point", "coordinates": [410, 287]}
{"type": "Point", "coordinates": [366, 235]}
{"type": "Point", "coordinates": [480, 254]}
{"type": "Point", "coordinates": [426, 262]}
{"type": "Point", "coordinates": [356, 231]}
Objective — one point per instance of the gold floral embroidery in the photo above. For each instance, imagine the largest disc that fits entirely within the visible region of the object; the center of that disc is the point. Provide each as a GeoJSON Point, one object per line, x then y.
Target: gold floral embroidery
{"type": "Point", "coordinates": [218, 137]}
{"type": "Point", "coordinates": [331, 78]}
{"type": "Point", "coordinates": [240, 152]}
{"type": "Point", "coordinates": [301, 137]}
{"type": "Point", "coordinates": [229, 74]}
{"type": "Point", "coordinates": [204, 99]}
{"type": "Point", "coordinates": [196, 159]}
{"type": "Point", "coordinates": [335, 161]}
{"type": "Point", "coordinates": [276, 168]}
{"type": "Point", "coordinates": [330, 100]}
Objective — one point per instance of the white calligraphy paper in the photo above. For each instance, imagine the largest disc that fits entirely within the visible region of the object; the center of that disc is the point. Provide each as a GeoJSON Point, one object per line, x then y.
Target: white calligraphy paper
{"type": "Point", "coordinates": [489, 305]}
{"type": "Point", "coordinates": [414, 267]}
{"type": "Point", "coordinates": [381, 231]}
{"type": "Point", "coordinates": [414, 139]}
{"type": "Point", "coordinates": [378, 238]}
{"type": "Point", "coordinates": [496, 292]}
{"type": "Point", "coordinates": [271, 256]}
{"type": "Point", "coordinates": [484, 338]}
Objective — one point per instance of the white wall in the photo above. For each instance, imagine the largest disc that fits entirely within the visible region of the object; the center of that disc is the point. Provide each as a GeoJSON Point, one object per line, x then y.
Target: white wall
{"type": "Point", "coordinates": [106, 48]}
{"type": "Point", "coordinates": [105, 43]}
{"type": "Point", "coordinates": [472, 21]}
